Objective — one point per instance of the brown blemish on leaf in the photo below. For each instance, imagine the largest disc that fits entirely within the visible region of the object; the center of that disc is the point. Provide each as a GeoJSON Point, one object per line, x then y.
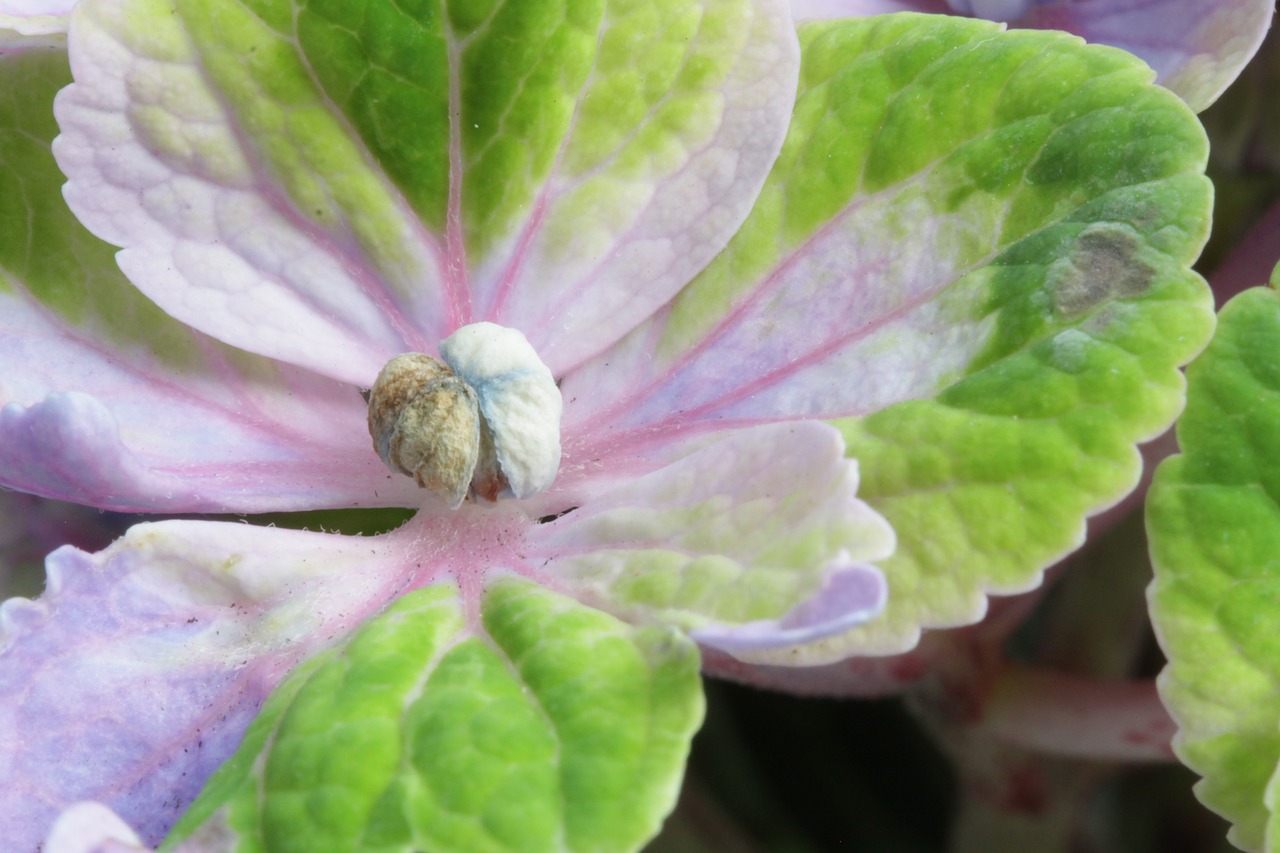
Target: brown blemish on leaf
{"type": "Point", "coordinates": [1103, 265]}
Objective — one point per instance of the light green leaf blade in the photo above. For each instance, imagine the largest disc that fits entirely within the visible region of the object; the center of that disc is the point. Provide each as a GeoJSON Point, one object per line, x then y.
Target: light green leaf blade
{"type": "Point", "coordinates": [986, 239]}
{"type": "Point", "coordinates": [1214, 527]}
{"type": "Point", "coordinates": [548, 726]}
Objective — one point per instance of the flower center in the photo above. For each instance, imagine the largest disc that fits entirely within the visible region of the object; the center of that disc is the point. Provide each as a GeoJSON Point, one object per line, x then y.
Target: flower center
{"type": "Point", "coordinates": [482, 422]}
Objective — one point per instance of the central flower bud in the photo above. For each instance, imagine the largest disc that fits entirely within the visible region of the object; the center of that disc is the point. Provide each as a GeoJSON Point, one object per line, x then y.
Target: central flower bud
{"type": "Point", "coordinates": [484, 423]}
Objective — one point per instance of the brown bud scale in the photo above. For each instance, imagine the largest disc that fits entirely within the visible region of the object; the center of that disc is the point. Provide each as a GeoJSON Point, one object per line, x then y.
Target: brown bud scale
{"type": "Point", "coordinates": [425, 422]}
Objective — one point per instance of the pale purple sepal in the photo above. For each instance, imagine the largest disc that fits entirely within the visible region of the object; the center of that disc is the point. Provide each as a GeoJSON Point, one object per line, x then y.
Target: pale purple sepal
{"type": "Point", "coordinates": [220, 432]}
{"type": "Point", "coordinates": [69, 445]}
{"type": "Point", "coordinates": [1197, 47]}
{"type": "Point", "coordinates": [992, 10]}
{"type": "Point", "coordinates": [85, 717]}
{"type": "Point", "coordinates": [240, 458]}
{"type": "Point", "coordinates": [91, 827]}
{"type": "Point", "coordinates": [759, 505]}
{"type": "Point", "coordinates": [821, 10]}
{"type": "Point", "coordinates": [853, 593]}
{"type": "Point", "coordinates": [28, 24]}
{"type": "Point", "coordinates": [136, 673]}
{"type": "Point", "coordinates": [35, 8]}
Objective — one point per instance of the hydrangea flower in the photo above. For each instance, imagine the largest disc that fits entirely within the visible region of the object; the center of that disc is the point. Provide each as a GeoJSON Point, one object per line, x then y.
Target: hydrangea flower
{"type": "Point", "coordinates": [755, 266]}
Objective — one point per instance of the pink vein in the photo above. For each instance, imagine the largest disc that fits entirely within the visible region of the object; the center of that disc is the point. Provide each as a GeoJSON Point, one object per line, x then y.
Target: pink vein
{"type": "Point", "coordinates": [459, 299]}
{"type": "Point", "coordinates": [369, 282]}
{"type": "Point", "coordinates": [772, 282]}
{"type": "Point", "coordinates": [512, 270]}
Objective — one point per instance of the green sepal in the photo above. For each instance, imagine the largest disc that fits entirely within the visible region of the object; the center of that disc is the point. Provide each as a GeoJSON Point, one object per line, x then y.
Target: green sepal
{"type": "Point", "coordinates": [548, 726]}
{"type": "Point", "coordinates": [1082, 314]}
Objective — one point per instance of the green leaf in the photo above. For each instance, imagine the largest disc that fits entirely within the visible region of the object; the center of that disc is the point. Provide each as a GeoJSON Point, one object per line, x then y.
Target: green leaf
{"type": "Point", "coordinates": [1214, 519]}
{"type": "Point", "coordinates": [556, 727]}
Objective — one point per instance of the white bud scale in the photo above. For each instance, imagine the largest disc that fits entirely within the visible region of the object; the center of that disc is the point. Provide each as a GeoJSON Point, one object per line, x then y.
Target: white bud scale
{"type": "Point", "coordinates": [484, 424]}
